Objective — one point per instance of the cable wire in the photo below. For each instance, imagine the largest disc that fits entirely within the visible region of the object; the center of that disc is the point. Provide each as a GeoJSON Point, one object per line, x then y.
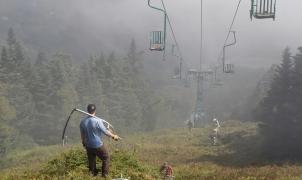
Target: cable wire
{"type": "Point", "coordinates": [230, 29]}
{"type": "Point", "coordinates": [201, 37]}
{"type": "Point", "coordinates": [173, 34]}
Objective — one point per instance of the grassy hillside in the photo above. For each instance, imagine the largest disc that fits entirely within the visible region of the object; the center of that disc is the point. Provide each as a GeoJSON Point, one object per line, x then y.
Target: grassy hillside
{"type": "Point", "coordinates": [139, 156]}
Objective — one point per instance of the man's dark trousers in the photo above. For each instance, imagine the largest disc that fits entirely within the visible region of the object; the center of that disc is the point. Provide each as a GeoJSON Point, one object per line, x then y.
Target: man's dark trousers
{"type": "Point", "coordinates": [103, 154]}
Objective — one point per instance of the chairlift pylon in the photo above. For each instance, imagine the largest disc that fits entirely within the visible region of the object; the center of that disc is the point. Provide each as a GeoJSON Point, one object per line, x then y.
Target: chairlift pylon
{"type": "Point", "coordinates": [263, 9]}
{"type": "Point", "coordinates": [158, 38]}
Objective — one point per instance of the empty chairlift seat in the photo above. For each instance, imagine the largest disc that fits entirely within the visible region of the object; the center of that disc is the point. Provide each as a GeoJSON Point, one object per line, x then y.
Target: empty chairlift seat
{"type": "Point", "coordinates": [157, 41]}
{"type": "Point", "coordinates": [228, 68]}
{"type": "Point", "coordinates": [263, 9]}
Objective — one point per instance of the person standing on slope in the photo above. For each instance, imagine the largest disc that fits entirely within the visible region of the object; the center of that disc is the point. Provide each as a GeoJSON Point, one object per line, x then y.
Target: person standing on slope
{"type": "Point", "coordinates": [92, 133]}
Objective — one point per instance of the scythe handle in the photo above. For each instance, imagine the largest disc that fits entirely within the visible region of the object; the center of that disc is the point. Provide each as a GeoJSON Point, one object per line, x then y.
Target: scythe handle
{"type": "Point", "coordinates": [106, 122]}
{"type": "Point", "coordinates": [108, 125]}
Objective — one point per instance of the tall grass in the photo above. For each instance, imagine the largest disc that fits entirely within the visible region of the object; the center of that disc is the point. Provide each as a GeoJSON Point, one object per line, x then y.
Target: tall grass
{"type": "Point", "coordinates": [237, 156]}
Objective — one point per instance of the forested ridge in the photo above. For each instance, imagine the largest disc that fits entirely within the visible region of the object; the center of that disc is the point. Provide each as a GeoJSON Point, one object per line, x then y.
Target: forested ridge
{"type": "Point", "coordinates": [279, 111]}
{"type": "Point", "coordinates": [59, 55]}
{"type": "Point", "coordinates": [37, 95]}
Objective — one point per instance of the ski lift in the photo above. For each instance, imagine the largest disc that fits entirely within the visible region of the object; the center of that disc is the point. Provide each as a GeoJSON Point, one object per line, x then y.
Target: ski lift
{"type": "Point", "coordinates": [158, 38]}
{"type": "Point", "coordinates": [157, 41]}
{"type": "Point", "coordinates": [228, 67]}
{"type": "Point", "coordinates": [263, 9]}
{"type": "Point", "coordinates": [192, 72]}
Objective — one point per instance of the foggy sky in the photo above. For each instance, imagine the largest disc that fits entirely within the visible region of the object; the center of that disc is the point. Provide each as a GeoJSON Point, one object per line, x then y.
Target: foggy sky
{"type": "Point", "coordinates": [260, 42]}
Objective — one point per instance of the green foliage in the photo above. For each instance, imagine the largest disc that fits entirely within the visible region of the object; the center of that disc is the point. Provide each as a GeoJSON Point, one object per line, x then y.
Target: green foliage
{"type": "Point", "coordinates": [12, 140]}
{"type": "Point", "coordinates": [38, 96]}
{"type": "Point", "coordinates": [73, 163]}
{"type": "Point", "coordinates": [65, 163]}
{"type": "Point", "coordinates": [7, 111]}
{"type": "Point", "coordinates": [279, 113]}
{"type": "Point", "coordinates": [190, 153]}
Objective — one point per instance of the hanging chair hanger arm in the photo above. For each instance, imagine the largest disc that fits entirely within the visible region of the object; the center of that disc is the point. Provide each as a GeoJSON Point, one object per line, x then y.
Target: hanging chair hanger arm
{"type": "Point", "coordinates": [235, 40]}
{"type": "Point", "coordinates": [165, 25]}
{"type": "Point", "coordinates": [227, 45]}
{"type": "Point", "coordinates": [231, 44]}
{"type": "Point", "coordinates": [153, 7]}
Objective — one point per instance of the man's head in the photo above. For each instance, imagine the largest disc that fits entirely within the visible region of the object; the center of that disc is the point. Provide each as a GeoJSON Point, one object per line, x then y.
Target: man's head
{"type": "Point", "coordinates": [91, 108]}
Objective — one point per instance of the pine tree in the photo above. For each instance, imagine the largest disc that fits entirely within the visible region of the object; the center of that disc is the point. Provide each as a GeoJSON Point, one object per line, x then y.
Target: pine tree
{"type": "Point", "coordinates": [41, 88]}
{"type": "Point", "coordinates": [41, 59]}
{"type": "Point", "coordinates": [144, 96]}
{"type": "Point", "coordinates": [17, 76]}
{"type": "Point", "coordinates": [12, 51]}
{"type": "Point", "coordinates": [55, 98]}
{"type": "Point", "coordinates": [134, 58]}
{"type": "Point", "coordinates": [17, 68]}
{"type": "Point", "coordinates": [3, 65]}
{"type": "Point", "coordinates": [296, 104]}
{"type": "Point", "coordinates": [275, 114]}
{"type": "Point", "coordinates": [88, 86]}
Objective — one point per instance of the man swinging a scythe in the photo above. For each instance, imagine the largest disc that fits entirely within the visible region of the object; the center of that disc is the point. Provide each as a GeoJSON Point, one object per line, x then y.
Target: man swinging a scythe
{"type": "Point", "coordinates": [92, 133]}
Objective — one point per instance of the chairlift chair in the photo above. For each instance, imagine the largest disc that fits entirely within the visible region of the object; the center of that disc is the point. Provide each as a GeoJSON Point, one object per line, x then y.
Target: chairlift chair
{"type": "Point", "coordinates": [157, 41]}
{"type": "Point", "coordinates": [192, 72]}
{"type": "Point", "coordinates": [158, 38]}
{"type": "Point", "coordinates": [228, 67]}
{"type": "Point", "coordinates": [263, 9]}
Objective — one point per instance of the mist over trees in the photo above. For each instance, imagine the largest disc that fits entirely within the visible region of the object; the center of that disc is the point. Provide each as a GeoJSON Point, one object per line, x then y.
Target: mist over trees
{"type": "Point", "coordinates": [280, 110]}
{"type": "Point", "coordinates": [54, 69]}
{"type": "Point", "coordinates": [37, 95]}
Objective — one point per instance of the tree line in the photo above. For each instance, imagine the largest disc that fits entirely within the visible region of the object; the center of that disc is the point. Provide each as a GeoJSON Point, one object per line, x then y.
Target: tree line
{"type": "Point", "coordinates": [280, 113]}
{"type": "Point", "coordinates": [37, 95]}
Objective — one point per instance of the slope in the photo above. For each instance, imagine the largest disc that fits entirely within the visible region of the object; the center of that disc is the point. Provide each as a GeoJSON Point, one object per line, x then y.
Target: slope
{"type": "Point", "coordinates": [236, 156]}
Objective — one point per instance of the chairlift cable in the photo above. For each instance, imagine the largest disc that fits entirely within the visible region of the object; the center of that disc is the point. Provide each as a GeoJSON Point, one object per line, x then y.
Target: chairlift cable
{"type": "Point", "coordinates": [172, 30]}
{"type": "Point", "coordinates": [201, 37]}
{"type": "Point", "coordinates": [230, 29]}
{"type": "Point", "coordinates": [173, 36]}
